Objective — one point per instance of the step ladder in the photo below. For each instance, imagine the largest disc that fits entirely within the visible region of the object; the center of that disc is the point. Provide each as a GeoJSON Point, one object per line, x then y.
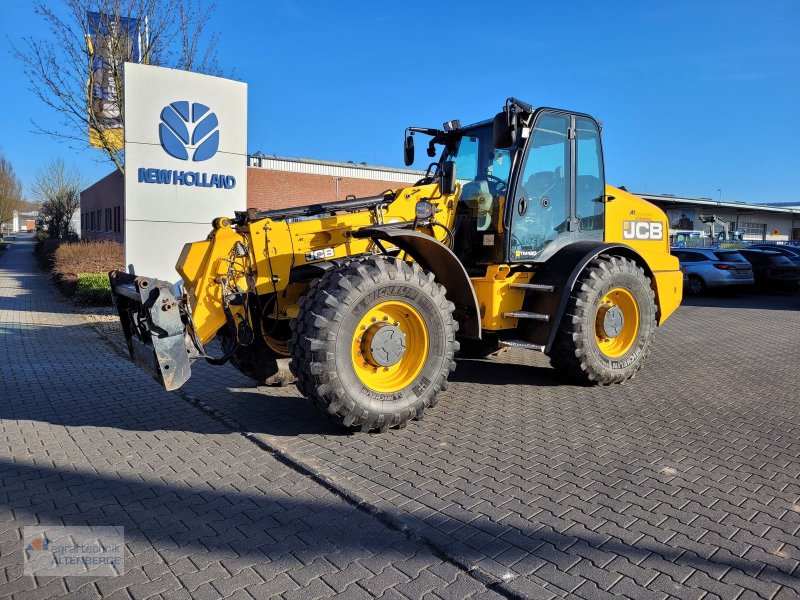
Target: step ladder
{"type": "Point", "coordinates": [521, 344]}
{"type": "Point", "coordinates": [539, 287]}
{"type": "Point", "coordinates": [525, 314]}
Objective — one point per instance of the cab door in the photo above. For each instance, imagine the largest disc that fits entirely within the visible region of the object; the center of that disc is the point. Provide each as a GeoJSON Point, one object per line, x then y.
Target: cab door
{"type": "Point", "coordinates": [559, 190]}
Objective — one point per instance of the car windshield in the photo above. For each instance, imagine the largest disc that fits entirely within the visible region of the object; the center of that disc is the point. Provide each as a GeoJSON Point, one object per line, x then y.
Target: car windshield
{"type": "Point", "coordinates": [755, 256]}
{"type": "Point", "coordinates": [730, 256]}
{"type": "Point", "coordinates": [778, 259]}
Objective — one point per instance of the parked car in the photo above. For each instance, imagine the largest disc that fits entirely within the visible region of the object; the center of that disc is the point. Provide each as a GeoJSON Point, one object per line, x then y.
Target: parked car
{"type": "Point", "coordinates": [708, 268]}
{"type": "Point", "coordinates": [790, 252]}
{"type": "Point", "coordinates": [772, 270]}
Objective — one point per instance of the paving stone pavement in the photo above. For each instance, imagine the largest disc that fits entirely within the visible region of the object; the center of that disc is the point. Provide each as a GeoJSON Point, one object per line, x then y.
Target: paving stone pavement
{"type": "Point", "coordinates": [86, 440]}
{"type": "Point", "coordinates": [681, 483]}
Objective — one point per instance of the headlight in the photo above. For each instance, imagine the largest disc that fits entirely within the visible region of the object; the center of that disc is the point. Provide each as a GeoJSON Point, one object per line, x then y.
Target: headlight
{"type": "Point", "coordinates": [424, 210]}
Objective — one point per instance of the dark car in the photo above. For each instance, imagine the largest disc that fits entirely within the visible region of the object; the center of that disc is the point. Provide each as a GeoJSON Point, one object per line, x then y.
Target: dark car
{"type": "Point", "coordinates": [790, 252]}
{"type": "Point", "coordinates": [772, 270]}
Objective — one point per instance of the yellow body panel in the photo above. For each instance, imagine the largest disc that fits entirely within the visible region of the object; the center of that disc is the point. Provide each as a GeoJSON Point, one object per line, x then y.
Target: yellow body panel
{"type": "Point", "coordinates": [202, 266]}
{"type": "Point", "coordinates": [624, 215]}
{"type": "Point", "coordinates": [277, 247]}
{"type": "Point", "coordinates": [496, 296]}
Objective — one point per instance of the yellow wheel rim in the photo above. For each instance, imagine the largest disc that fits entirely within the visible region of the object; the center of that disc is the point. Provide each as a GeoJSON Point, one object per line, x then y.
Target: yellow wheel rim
{"type": "Point", "coordinates": [616, 322]}
{"type": "Point", "coordinates": [390, 346]}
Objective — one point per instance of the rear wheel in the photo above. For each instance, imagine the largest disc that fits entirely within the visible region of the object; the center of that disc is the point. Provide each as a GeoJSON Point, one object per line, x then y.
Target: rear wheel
{"type": "Point", "coordinates": [373, 343]}
{"type": "Point", "coordinates": [609, 324]}
{"type": "Point", "coordinates": [695, 285]}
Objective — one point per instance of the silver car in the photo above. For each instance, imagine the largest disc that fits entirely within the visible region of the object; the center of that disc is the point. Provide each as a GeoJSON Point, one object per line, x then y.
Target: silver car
{"type": "Point", "coordinates": [708, 268]}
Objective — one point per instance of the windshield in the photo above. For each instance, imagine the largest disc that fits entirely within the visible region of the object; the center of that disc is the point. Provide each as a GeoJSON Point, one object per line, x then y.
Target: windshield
{"type": "Point", "coordinates": [730, 256]}
{"type": "Point", "coordinates": [476, 157]}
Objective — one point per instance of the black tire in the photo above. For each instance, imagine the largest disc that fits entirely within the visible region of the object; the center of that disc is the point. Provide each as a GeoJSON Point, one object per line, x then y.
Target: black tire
{"type": "Point", "coordinates": [695, 286]}
{"type": "Point", "coordinates": [576, 353]}
{"type": "Point", "coordinates": [325, 328]}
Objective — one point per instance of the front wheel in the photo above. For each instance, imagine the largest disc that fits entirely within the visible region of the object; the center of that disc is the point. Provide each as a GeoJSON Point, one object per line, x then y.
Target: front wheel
{"type": "Point", "coordinates": [609, 324]}
{"type": "Point", "coordinates": [373, 343]}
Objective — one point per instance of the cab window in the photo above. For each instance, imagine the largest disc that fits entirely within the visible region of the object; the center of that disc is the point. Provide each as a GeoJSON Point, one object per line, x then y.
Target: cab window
{"type": "Point", "coordinates": [541, 203]}
{"type": "Point", "coordinates": [589, 180]}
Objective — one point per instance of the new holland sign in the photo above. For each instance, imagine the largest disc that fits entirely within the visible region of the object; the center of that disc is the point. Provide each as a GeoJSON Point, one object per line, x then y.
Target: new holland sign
{"type": "Point", "coordinates": [185, 161]}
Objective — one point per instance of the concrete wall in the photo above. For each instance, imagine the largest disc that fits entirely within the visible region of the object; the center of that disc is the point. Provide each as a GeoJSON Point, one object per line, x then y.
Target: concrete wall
{"type": "Point", "coordinates": [102, 212]}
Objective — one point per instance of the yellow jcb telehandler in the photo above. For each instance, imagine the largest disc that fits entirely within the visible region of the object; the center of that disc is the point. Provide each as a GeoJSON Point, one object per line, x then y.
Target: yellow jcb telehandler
{"type": "Point", "coordinates": [510, 239]}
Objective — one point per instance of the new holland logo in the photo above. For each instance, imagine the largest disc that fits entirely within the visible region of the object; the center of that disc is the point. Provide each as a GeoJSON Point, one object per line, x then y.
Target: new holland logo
{"type": "Point", "coordinates": [188, 131]}
{"type": "Point", "coordinates": [186, 127]}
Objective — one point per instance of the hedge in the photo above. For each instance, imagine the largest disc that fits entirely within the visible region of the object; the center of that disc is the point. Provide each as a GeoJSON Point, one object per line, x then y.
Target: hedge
{"type": "Point", "coordinates": [93, 289]}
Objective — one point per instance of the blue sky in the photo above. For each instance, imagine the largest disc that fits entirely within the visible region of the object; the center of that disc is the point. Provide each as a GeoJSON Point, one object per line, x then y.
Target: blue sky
{"type": "Point", "coordinates": [694, 96]}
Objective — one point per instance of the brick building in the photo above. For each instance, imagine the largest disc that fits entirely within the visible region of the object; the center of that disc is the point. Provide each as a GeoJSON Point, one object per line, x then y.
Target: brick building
{"type": "Point", "coordinates": [103, 209]}
{"type": "Point", "coordinates": [272, 182]}
{"type": "Point", "coordinates": [278, 182]}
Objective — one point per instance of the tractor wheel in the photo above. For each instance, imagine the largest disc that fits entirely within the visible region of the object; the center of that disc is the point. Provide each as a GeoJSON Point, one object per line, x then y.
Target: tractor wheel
{"type": "Point", "coordinates": [373, 343]}
{"type": "Point", "coordinates": [609, 323]}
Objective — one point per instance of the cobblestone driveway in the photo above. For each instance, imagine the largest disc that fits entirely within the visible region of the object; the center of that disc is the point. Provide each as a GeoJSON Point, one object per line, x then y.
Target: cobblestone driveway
{"type": "Point", "coordinates": [681, 483]}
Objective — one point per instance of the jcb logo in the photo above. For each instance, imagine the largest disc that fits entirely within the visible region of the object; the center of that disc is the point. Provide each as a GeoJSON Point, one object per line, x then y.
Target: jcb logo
{"type": "Point", "coordinates": [642, 230]}
{"type": "Point", "coordinates": [319, 254]}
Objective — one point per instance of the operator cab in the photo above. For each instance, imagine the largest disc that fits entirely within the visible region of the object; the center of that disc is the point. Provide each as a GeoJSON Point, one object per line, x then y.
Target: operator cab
{"type": "Point", "coordinates": [532, 182]}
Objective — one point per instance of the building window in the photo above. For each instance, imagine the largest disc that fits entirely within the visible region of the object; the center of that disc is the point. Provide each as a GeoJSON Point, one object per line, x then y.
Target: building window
{"type": "Point", "coordinates": [91, 221]}
{"type": "Point", "coordinates": [753, 231]}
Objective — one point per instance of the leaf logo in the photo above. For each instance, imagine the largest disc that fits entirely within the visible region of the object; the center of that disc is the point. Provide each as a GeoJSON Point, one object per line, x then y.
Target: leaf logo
{"type": "Point", "coordinates": [189, 128]}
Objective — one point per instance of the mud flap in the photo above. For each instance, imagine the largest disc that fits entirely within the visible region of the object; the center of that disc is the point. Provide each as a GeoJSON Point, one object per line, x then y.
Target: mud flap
{"type": "Point", "coordinates": [154, 327]}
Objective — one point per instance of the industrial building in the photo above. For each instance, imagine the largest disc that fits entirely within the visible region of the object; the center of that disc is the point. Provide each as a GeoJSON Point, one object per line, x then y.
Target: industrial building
{"type": "Point", "coordinates": [279, 182]}
{"type": "Point", "coordinates": [713, 220]}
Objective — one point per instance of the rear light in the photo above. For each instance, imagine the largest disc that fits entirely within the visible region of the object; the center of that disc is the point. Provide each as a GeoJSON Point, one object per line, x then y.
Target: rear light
{"type": "Point", "coordinates": [724, 267]}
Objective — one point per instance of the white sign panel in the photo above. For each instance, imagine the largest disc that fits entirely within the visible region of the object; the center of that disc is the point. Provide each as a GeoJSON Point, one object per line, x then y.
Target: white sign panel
{"type": "Point", "coordinates": [185, 162]}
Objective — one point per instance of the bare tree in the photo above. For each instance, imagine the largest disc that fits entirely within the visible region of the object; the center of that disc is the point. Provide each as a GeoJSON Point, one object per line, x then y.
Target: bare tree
{"type": "Point", "coordinates": [59, 191]}
{"type": "Point", "coordinates": [83, 81]}
{"type": "Point", "coordinates": [10, 192]}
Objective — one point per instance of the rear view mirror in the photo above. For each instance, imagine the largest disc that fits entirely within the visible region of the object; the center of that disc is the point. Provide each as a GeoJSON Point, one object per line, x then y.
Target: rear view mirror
{"type": "Point", "coordinates": [408, 150]}
{"type": "Point", "coordinates": [448, 178]}
{"type": "Point", "coordinates": [502, 131]}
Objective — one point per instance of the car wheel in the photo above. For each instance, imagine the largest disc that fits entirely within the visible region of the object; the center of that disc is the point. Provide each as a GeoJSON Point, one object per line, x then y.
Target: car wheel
{"type": "Point", "coordinates": [696, 285]}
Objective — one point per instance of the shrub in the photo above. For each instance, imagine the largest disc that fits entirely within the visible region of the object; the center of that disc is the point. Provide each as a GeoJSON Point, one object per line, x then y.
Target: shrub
{"type": "Point", "coordinates": [70, 259]}
{"type": "Point", "coordinates": [93, 289]}
{"type": "Point", "coordinates": [44, 249]}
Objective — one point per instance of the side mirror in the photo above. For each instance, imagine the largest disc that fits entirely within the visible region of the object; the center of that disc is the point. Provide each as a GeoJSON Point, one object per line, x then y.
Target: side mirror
{"type": "Point", "coordinates": [408, 150]}
{"type": "Point", "coordinates": [448, 178]}
{"type": "Point", "coordinates": [502, 131]}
